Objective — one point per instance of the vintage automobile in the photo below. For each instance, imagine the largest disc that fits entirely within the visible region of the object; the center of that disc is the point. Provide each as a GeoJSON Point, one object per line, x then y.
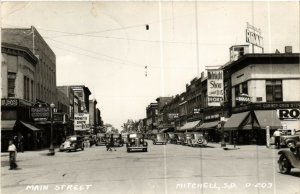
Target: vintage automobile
{"type": "Point", "coordinates": [101, 139]}
{"type": "Point", "coordinates": [117, 137]}
{"type": "Point", "coordinates": [136, 142]}
{"type": "Point", "coordinates": [289, 159]}
{"type": "Point", "coordinates": [290, 140]}
{"type": "Point", "coordinates": [125, 137]}
{"type": "Point", "coordinates": [187, 137]}
{"type": "Point", "coordinates": [197, 139]}
{"type": "Point", "coordinates": [72, 143]}
{"type": "Point", "coordinates": [159, 138]}
{"type": "Point", "coordinates": [171, 137]}
{"type": "Point", "coordinates": [179, 138]}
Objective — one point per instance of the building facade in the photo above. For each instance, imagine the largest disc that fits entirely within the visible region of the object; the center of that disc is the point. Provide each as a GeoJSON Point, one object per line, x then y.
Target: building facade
{"type": "Point", "coordinates": [83, 93]}
{"type": "Point", "coordinates": [45, 72]}
{"type": "Point", "coordinates": [151, 115]}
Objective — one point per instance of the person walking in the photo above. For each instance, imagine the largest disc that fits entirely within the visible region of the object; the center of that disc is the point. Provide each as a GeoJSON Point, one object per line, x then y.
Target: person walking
{"type": "Point", "coordinates": [276, 135]}
{"type": "Point", "coordinates": [112, 143]}
{"type": "Point", "coordinates": [12, 155]}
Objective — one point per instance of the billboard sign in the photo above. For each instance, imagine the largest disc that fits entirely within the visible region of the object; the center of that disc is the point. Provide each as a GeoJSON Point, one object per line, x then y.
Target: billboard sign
{"type": "Point", "coordinates": [253, 36]}
{"type": "Point", "coordinates": [215, 87]}
{"type": "Point", "coordinates": [81, 121]}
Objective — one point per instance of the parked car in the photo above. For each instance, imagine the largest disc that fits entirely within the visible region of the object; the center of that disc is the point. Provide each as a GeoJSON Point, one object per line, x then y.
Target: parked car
{"type": "Point", "coordinates": [171, 137]}
{"type": "Point", "coordinates": [197, 139]}
{"type": "Point", "coordinates": [187, 137]}
{"type": "Point", "coordinates": [136, 142]}
{"type": "Point", "coordinates": [290, 140]}
{"type": "Point", "coordinates": [73, 143]}
{"type": "Point", "coordinates": [159, 138]}
{"type": "Point", "coordinates": [101, 139]}
{"type": "Point", "coordinates": [179, 138]}
{"type": "Point", "coordinates": [118, 141]}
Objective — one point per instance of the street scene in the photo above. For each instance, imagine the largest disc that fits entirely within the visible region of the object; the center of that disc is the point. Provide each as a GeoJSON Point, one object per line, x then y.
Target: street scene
{"type": "Point", "coordinates": [150, 97]}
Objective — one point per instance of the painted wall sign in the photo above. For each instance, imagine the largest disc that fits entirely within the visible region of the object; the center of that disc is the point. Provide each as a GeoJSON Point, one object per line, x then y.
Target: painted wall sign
{"type": "Point", "coordinates": [215, 87]}
{"type": "Point", "coordinates": [81, 121]}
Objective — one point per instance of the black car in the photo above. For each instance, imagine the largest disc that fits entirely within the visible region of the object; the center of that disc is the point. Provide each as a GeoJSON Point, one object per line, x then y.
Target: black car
{"type": "Point", "coordinates": [118, 140]}
{"type": "Point", "coordinates": [73, 143]}
{"type": "Point", "coordinates": [136, 142]}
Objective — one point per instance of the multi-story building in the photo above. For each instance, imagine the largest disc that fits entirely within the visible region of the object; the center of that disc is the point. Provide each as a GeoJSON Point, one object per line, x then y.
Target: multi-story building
{"type": "Point", "coordinates": [92, 112]}
{"type": "Point", "coordinates": [263, 92]}
{"type": "Point", "coordinates": [161, 102]}
{"type": "Point", "coordinates": [151, 114]}
{"type": "Point", "coordinates": [45, 71]}
{"type": "Point", "coordinates": [83, 93]}
{"type": "Point", "coordinates": [18, 95]}
{"type": "Point", "coordinates": [67, 90]}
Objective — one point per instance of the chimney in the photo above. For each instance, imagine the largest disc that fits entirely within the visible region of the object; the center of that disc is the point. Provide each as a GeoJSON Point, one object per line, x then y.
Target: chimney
{"type": "Point", "coordinates": [288, 49]}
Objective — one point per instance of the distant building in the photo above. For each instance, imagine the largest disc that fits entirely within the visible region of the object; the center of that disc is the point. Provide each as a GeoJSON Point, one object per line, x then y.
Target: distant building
{"type": "Point", "coordinates": [92, 112]}
{"type": "Point", "coordinates": [152, 113]}
{"type": "Point", "coordinates": [83, 93]}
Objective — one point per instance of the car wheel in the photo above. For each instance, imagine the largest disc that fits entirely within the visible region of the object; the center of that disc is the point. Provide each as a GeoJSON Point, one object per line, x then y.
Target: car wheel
{"type": "Point", "coordinates": [128, 150]}
{"type": "Point", "coordinates": [145, 150]}
{"type": "Point", "coordinates": [284, 165]}
{"type": "Point", "coordinates": [291, 144]}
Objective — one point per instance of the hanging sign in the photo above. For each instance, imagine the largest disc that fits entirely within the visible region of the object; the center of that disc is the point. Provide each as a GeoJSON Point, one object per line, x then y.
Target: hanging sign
{"type": "Point", "coordinates": [215, 87]}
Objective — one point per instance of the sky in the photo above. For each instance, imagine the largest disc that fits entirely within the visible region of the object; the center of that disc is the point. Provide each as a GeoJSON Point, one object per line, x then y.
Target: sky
{"type": "Point", "coordinates": [105, 45]}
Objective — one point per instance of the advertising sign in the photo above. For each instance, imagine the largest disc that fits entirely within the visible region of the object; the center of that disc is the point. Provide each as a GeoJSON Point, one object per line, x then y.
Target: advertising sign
{"type": "Point", "coordinates": [288, 114]}
{"type": "Point", "coordinates": [81, 121]}
{"type": "Point", "coordinates": [253, 36]}
{"type": "Point", "coordinates": [40, 112]}
{"type": "Point", "coordinates": [215, 87]}
{"type": "Point", "coordinates": [9, 102]}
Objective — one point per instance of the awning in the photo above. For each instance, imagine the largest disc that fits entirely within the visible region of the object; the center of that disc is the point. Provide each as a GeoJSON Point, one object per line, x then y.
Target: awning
{"type": "Point", "coordinates": [267, 118]}
{"type": "Point", "coordinates": [209, 125]}
{"type": "Point", "coordinates": [7, 125]}
{"type": "Point", "coordinates": [154, 131]}
{"type": "Point", "coordinates": [235, 121]}
{"type": "Point", "coordinates": [171, 129]}
{"type": "Point", "coordinates": [29, 126]}
{"type": "Point", "coordinates": [189, 125]}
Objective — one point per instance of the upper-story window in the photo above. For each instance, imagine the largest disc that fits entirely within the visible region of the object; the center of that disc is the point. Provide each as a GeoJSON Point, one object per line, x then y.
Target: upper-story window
{"type": "Point", "coordinates": [11, 84]}
{"type": "Point", "coordinates": [273, 90]}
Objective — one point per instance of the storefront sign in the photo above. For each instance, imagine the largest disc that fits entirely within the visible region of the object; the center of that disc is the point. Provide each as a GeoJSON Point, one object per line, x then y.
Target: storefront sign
{"type": "Point", "coordinates": [9, 102]}
{"type": "Point", "coordinates": [40, 112]}
{"type": "Point", "coordinates": [267, 106]}
{"type": "Point", "coordinates": [288, 114]}
{"type": "Point", "coordinates": [173, 115]}
{"type": "Point", "coordinates": [197, 110]}
{"type": "Point", "coordinates": [215, 87]}
{"type": "Point", "coordinates": [81, 121]}
{"type": "Point", "coordinates": [215, 116]}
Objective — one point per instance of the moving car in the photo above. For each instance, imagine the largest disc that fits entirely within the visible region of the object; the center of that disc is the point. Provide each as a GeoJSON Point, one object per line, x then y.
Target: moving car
{"type": "Point", "coordinates": [289, 159]}
{"type": "Point", "coordinates": [159, 138]}
{"type": "Point", "coordinates": [72, 143]}
{"type": "Point", "coordinates": [197, 139]}
{"type": "Point", "coordinates": [136, 142]}
{"type": "Point", "coordinates": [101, 139]}
{"type": "Point", "coordinates": [117, 138]}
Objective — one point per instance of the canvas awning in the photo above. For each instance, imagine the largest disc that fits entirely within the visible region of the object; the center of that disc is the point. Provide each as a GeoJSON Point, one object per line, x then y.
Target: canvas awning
{"type": "Point", "coordinates": [154, 131]}
{"type": "Point", "coordinates": [189, 126]}
{"type": "Point", "coordinates": [267, 118]}
{"type": "Point", "coordinates": [236, 120]}
{"type": "Point", "coordinates": [7, 125]}
{"type": "Point", "coordinates": [209, 125]}
{"type": "Point", "coordinates": [171, 129]}
{"type": "Point", "coordinates": [29, 126]}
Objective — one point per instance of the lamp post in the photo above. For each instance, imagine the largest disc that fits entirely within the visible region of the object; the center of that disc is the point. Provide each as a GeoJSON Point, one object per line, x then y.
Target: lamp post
{"type": "Point", "coordinates": [223, 144]}
{"type": "Point", "coordinates": [51, 149]}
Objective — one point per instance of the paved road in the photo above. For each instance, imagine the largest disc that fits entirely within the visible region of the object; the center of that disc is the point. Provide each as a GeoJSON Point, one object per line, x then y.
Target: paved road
{"type": "Point", "coordinates": [163, 169]}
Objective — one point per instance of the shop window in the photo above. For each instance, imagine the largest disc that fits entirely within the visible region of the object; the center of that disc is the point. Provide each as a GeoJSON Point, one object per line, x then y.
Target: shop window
{"type": "Point", "coordinates": [273, 90]}
{"type": "Point", "coordinates": [11, 84]}
{"type": "Point", "coordinates": [245, 87]}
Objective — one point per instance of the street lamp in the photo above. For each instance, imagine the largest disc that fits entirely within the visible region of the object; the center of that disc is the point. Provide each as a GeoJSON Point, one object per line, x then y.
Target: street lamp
{"type": "Point", "coordinates": [223, 144]}
{"type": "Point", "coordinates": [51, 149]}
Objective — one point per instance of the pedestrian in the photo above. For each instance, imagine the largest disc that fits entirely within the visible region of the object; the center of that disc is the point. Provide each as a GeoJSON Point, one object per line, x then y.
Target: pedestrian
{"type": "Point", "coordinates": [12, 155]}
{"type": "Point", "coordinates": [276, 135]}
{"type": "Point", "coordinates": [107, 144]}
{"type": "Point", "coordinates": [112, 143]}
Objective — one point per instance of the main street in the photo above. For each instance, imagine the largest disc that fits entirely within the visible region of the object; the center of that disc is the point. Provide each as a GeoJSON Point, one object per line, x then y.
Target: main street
{"type": "Point", "coordinates": [163, 169]}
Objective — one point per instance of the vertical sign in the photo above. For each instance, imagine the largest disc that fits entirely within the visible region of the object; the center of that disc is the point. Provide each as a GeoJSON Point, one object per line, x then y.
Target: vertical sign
{"type": "Point", "coordinates": [81, 121]}
{"type": "Point", "coordinates": [215, 87]}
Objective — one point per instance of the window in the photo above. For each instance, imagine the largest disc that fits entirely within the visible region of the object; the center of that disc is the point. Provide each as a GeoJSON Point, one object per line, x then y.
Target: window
{"type": "Point", "coordinates": [245, 87]}
{"type": "Point", "coordinates": [32, 91]}
{"type": "Point", "coordinates": [273, 90]}
{"type": "Point", "coordinates": [11, 83]}
{"type": "Point", "coordinates": [26, 88]}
